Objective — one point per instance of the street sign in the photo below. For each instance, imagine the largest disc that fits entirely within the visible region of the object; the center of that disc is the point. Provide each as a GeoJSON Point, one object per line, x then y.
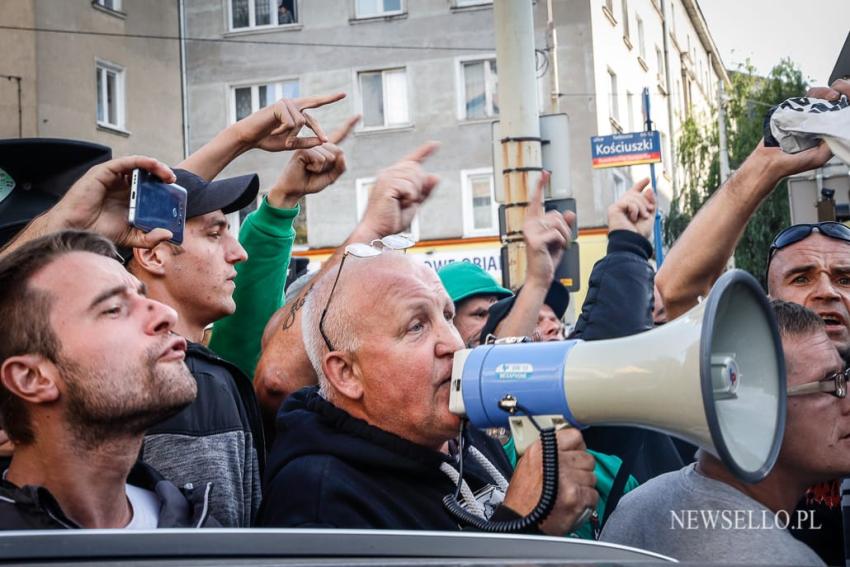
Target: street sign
{"type": "Point", "coordinates": [555, 154]}
{"type": "Point", "coordinates": [634, 148]}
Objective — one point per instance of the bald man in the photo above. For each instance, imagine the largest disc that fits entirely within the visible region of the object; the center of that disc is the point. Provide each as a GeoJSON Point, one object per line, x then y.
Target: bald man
{"type": "Point", "coordinates": [368, 447]}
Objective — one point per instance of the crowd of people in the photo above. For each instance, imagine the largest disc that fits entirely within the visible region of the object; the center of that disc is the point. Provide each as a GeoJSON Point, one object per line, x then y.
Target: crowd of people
{"type": "Point", "coordinates": [331, 409]}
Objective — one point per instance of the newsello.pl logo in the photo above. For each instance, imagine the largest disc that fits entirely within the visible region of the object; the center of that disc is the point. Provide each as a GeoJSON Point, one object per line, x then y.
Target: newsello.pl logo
{"type": "Point", "coordinates": [742, 520]}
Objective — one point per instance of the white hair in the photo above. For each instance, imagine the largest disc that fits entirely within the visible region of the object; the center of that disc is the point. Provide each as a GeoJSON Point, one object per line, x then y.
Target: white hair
{"type": "Point", "coordinates": [338, 325]}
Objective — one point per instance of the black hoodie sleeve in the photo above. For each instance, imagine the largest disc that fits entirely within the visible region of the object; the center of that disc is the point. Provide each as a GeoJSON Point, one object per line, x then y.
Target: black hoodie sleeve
{"type": "Point", "coordinates": [620, 293]}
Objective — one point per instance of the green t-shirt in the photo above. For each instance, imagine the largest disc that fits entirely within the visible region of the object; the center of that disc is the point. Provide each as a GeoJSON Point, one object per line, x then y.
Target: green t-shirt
{"type": "Point", "coordinates": [267, 236]}
{"type": "Point", "coordinates": [606, 470]}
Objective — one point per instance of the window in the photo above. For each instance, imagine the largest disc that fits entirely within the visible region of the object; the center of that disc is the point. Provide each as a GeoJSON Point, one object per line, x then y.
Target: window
{"type": "Point", "coordinates": [480, 211]}
{"type": "Point", "coordinates": [261, 13]}
{"type": "Point", "coordinates": [479, 89]}
{"type": "Point", "coordinates": [613, 106]}
{"type": "Point", "coordinates": [465, 3]}
{"type": "Point", "coordinates": [660, 57]}
{"type": "Point", "coordinates": [110, 95]}
{"type": "Point", "coordinates": [625, 5]}
{"type": "Point", "coordinates": [665, 153]}
{"type": "Point", "coordinates": [383, 98]}
{"type": "Point", "coordinates": [251, 98]}
{"type": "Point", "coordinates": [114, 5]}
{"type": "Point", "coordinates": [621, 184]}
{"type": "Point", "coordinates": [630, 111]}
{"type": "Point", "coordinates": [641, 39]}
{"type": "Point", "coordinates": [673, 18]}
{"type": "Point", "coordinates": [364, 187]}
{"type": "Point", "coordinates": [376, 8]}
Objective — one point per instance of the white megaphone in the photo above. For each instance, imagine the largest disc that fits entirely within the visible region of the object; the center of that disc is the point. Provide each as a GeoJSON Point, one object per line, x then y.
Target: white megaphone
{"type": "Point", "coordinates": [714, 377]}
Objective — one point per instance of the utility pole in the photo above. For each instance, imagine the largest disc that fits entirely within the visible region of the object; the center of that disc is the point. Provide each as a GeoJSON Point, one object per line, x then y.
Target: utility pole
{"type": "Point", "coordinates": [520, 124]}
{"type": "Point", "coordinates": [721, 127]}
{"type": "Point", "coordinates": [552, 54]}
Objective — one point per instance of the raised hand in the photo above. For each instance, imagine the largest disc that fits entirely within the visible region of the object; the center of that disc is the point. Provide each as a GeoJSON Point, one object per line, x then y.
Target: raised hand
{"type": "Point", "coordinates": [546, 236]}
{"type": "Point", "coordinates": [100, 200]}
{"type": "Point", "coordinates": [634, 211]}
{"type": "Point", "coordinates": [276, 127]}
{"type": "Point", "coordinates": [399, 191]}
{"type": "Point", "coordinates": [311, 170]}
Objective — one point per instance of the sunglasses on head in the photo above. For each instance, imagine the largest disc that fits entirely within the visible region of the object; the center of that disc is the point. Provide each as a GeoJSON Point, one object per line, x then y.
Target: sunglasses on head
{"type": "Point", "coordinates": [798, 232]}
{"type": "Point", "coordinates": [397, 242]}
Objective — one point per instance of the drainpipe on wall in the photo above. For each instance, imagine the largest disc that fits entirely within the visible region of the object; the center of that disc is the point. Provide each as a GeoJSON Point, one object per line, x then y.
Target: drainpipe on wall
{"type": "Point", "coordinates": [184, 90]}
{"type": "Point", "coordinates": [668, 87]}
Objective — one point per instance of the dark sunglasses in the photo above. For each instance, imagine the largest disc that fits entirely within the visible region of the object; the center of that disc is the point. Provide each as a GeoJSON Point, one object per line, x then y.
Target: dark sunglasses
{"type": "Point", "coordinates": [798, 232]}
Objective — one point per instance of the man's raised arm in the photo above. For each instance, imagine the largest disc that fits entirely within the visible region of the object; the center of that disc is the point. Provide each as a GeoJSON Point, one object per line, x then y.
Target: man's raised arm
{"type": "Point", "coordinates": [274, 128]}
{"type": "Point", "coordinates": [100, 202]}
{"type": "Point", "coordinates": [700, 254]}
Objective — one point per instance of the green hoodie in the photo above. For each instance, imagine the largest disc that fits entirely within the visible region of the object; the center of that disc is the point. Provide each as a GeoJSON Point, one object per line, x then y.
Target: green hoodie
{"type": "Point", "coordinates": [267, 236]}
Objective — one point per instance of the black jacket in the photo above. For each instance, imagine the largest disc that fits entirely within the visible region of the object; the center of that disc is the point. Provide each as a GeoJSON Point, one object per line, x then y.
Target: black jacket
{"type": "Point", "coordinates": [34, 508]}
{"type": "Point", "coordinates": [329, 469]}
{"type": "Point", "coordinates": [619, 303]}
{"type": "Point", "coordinates": [218, 438]}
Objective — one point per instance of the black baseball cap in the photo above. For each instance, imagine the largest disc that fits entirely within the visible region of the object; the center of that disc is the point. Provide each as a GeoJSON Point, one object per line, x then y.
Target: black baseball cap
{"type": "Point", "coordinates": [36, 172]}
{"type": "Point", "coordinates": [558, 298]}
{"type": "Point", "coordinates": [227, 195]}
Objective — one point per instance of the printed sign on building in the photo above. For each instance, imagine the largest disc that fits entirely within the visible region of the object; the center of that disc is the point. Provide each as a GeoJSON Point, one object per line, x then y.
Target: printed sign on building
{"type": "Point", "coordinates": [618, 150]}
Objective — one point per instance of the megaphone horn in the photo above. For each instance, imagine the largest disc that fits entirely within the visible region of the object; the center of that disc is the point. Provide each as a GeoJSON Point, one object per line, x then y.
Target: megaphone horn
{"type": "Point", "coordinates": [714, 377]}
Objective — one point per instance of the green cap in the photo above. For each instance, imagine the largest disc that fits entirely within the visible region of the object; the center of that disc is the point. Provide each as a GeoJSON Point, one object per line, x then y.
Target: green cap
{"type": "Point", "coordinates": [465, 279]}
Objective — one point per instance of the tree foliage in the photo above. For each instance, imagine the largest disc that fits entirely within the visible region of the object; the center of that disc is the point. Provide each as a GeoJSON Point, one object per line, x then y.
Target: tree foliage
{"type": "Point", "coordinates": [747, 102]}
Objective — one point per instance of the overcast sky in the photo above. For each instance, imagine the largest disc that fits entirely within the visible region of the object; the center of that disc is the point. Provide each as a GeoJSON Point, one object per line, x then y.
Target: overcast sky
{"type": "Point", "coordinates": [810, 32]}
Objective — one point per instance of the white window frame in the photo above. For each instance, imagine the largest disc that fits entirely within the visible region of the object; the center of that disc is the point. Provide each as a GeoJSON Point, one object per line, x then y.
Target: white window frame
{"type": "Point", "coordinates": [624, 5]}
{"type": "Point", "coordinates": [467, 207]}
{"type": "Point", "coordinates": [460, 81]}
{"type": "Point", "coordinates": [630, 111]}
{"type": "Point", "coordinates": [120, 99]}
{"type": "Point", "coordinates": [613, 95]}
{"type": "Point", "coordinates": [402, 10]}
{"type": "Point", "coordinates": [252, 16]}
{"type": "Point", "coordinates": [662, 72]}
{"type": "Point", "coordinates": [255, 93]}
{"type": "Point", "coordinates": [641, 31]}
{"type": "Point", "coordinates": [361, 195]}
{"type": "Point", "coordinates": [383, 70]}
{"type": "Point", "coordinates": [471, 3]}
{"type": "Point", "coordinates": [619, 180]}
{"type": "Point", "coordinates": [116, 5]}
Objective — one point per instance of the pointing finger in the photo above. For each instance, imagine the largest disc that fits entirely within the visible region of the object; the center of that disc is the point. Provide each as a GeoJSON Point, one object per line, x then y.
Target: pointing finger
{"type": "Point", "coordinates": [343, 131]}
{"type": "Point", "coordinates": [421, 153]}
{"type": "Point", "coordinates": [314, 126]}
{"type": "Point", "coordinates": [640, 185]}
{"type": "Point", "coordinates": [316, 101]}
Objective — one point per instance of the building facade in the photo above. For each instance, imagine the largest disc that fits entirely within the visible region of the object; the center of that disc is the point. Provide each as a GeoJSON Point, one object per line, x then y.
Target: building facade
{"type": "Point", "coordinates": [81, 78]}
{"type": "Point", "coordinates": [421, 70]}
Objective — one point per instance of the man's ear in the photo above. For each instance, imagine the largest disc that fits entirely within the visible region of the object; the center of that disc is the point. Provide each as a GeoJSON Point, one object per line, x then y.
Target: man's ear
{"type": "Point", "coordinates": [30, 377]}
{"type": "Point", "coordinates": [152, 260]}
{"type": "Point", "coordinates": [343, 374]}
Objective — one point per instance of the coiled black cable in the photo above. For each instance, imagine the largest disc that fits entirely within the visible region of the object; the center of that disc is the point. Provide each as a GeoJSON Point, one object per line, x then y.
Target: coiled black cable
{"type": "Point", "coordinates": [549, 442]}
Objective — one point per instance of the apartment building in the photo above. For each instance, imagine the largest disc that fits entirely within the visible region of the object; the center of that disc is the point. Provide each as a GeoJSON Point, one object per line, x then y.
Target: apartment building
{"type": "Point", "coordinates": [94, 70]}
{"type": "Point", "coordinates": [422, 70]}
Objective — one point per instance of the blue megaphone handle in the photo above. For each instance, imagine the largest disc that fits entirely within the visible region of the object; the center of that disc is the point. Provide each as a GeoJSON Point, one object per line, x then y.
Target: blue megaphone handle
{"type": "Point", "coordinates": [533, 373]}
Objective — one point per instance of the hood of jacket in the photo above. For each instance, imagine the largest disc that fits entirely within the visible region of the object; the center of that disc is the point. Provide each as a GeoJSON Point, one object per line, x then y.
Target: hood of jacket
{"type": "Point", "coordinates": [307, 424]}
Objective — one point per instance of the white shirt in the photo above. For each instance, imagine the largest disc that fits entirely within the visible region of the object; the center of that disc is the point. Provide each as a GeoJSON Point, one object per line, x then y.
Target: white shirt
{"type": "Point", "coordinates": [144, 505]}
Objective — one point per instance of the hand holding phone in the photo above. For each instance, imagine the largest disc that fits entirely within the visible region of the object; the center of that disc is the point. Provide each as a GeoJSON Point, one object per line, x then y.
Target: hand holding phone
{"type": "Point", "coordinates": [154, 204]}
